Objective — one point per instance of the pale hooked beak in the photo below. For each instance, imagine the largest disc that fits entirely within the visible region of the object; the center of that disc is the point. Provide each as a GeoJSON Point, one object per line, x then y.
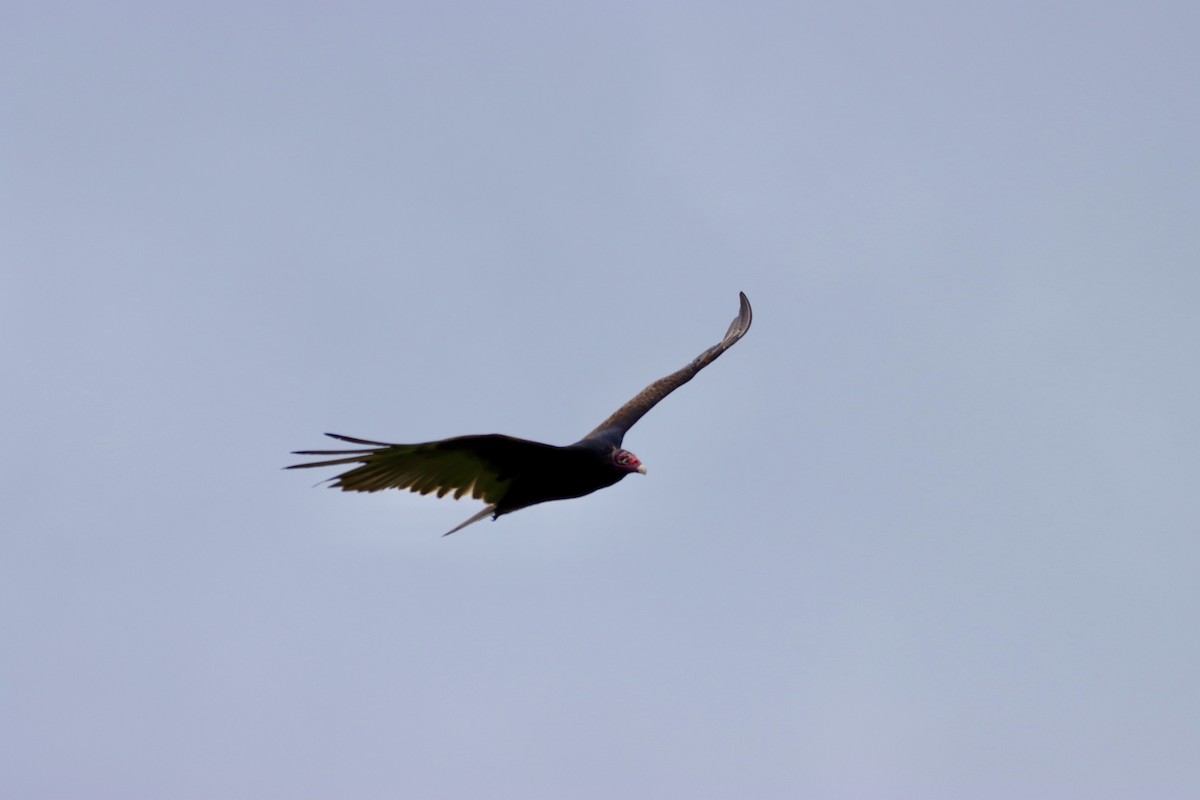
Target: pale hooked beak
{"type": "Point", "coordinates": [642, 468]}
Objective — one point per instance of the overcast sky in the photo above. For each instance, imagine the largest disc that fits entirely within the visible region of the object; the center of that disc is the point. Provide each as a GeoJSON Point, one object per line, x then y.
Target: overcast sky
{"type": "Point", "coordinates": [931, 530]}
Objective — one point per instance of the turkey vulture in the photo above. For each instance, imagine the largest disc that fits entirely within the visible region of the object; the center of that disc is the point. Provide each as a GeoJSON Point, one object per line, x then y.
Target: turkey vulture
{"type": "Point", "coordinates": [508, 473]}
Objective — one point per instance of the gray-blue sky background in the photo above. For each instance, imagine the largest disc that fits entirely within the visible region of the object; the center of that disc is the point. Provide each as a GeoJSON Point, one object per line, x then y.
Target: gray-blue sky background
{"type": "Point", "coordinates": [930, 530]}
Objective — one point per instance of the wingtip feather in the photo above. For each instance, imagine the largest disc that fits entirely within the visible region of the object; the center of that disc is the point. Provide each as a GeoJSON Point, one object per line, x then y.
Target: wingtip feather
{"type": "Point", "coordinates": [489, 510]}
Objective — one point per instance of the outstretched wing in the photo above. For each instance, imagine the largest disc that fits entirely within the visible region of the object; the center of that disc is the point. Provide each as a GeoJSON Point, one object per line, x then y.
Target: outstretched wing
{"type": "Point", "coordinates": [476, 466]}
{"type": "Point", "coordinates": [625, 416]}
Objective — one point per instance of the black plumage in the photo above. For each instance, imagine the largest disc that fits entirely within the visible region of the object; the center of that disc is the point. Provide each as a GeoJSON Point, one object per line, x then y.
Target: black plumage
{"type": "Point", "coordinates": [508, 473]}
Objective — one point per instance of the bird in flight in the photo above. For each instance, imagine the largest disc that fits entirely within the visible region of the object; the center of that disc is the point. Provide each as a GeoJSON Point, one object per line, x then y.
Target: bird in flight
{"type": "Point", "coordinates": [508, 473]}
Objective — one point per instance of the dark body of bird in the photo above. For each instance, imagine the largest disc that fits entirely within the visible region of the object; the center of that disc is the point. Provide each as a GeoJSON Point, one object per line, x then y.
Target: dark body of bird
{"type": "Point", "coordinates": [510, 473]}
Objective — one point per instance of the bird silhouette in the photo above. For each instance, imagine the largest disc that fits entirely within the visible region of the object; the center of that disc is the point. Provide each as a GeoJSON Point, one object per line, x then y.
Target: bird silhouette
{"type": "Point", "coordinates": [509, 473]}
